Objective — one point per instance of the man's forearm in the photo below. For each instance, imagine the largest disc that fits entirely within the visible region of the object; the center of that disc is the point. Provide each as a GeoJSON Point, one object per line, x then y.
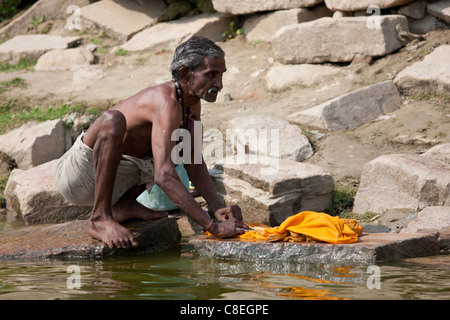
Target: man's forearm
{"type": "Point", "coordinates": [200, 178]}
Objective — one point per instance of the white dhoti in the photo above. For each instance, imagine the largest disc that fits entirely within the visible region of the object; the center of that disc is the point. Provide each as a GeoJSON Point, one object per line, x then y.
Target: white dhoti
{"type": "Point", "coordinates": [75, 174]}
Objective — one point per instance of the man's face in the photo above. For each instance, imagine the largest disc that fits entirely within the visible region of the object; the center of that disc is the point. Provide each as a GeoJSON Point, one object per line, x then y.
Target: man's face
{"type": "Point", "coordinates": [206, 80]}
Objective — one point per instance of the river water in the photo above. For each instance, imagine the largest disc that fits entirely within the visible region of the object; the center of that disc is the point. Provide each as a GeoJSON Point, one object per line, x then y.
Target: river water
{"type": "Point", "coordinates": [179, 275]}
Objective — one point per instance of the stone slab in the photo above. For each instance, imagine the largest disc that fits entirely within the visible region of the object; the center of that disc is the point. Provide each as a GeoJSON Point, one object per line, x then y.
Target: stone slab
{"type": "Point", "coordinates": [370, 248]}
{"type": "Point", "coordinates": [440, 9]}
{"type": "Point", "coordinates": [337, 40]}
{"type": "Point", "coordinates": [351, 5]}
{"type": "Point", "coordinates": [430, 75]}
{"type": "Point", "coordinates": [237, 7]}
{"type": "Point", "coordinates": [123, 18]}
{"type": "Point", "coordinates": [72, 240]}
{"type": "Point", "coordinates": [33, 45]}
{"type": "Point", "coordinates": [352, 109]}
{"type": "Point", "coordinates": [168, 35]}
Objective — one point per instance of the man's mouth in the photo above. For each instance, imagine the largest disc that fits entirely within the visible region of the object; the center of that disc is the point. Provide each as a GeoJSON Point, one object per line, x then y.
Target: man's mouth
{"type": "Point", "coordinates": [213, 90]}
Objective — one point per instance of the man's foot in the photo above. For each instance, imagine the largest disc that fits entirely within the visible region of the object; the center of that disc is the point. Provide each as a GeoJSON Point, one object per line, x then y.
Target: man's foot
{"type": "Point", "coordinates": [125, 210]}
{"type": "Point", "coordinates": [112, 234]}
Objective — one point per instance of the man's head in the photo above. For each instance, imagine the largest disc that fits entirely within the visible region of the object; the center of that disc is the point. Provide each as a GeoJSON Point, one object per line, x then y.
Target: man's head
{"type": "Point", "coordinates": [191, 53]}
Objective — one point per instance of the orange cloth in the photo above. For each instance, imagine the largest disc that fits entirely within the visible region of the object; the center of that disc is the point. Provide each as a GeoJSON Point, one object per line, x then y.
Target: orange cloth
{"type": "Point", "coordinates": [317, 225]}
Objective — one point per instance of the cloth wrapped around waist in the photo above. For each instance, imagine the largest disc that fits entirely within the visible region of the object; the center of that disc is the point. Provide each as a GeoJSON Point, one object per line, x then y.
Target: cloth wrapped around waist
{"type": "Point", "coordinates": [308, 226]}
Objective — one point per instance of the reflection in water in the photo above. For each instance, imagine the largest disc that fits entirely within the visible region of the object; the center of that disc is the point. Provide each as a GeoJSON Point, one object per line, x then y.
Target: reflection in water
{"type": "Point", "coordinates": [176, 274]}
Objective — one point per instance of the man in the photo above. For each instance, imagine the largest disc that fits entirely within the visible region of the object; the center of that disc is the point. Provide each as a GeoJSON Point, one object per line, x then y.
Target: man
{"type": "Point", "coordinates": [128, 148]}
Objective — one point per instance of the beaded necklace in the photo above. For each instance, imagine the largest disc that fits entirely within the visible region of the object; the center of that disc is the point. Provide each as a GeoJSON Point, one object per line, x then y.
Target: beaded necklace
{"type": "Point", "coordinates": [186, 112]}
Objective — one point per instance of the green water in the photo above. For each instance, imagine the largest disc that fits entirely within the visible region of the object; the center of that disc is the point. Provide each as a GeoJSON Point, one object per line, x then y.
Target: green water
{"type": "Point", "coordinates": [177, 274]}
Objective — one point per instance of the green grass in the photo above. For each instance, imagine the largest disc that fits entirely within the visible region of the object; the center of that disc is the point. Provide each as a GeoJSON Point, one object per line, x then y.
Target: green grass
{"type": "Point", "coordinates": [26, 63]}
{"type": "Point", "coordinates": [342, 199]}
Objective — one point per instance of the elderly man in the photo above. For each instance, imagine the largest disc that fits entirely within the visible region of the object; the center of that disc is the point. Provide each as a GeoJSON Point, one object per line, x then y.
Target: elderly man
{"type": "Point", "coordinates": [128, 148]}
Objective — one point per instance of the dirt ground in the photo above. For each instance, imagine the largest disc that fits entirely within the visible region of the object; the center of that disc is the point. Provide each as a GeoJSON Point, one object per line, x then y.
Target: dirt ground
{"type": "Point", "coordinates": [423, 121]}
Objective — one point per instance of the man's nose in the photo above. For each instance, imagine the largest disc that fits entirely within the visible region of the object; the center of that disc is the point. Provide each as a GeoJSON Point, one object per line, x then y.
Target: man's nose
{"type": "Point", "coordinates": [218, 84]}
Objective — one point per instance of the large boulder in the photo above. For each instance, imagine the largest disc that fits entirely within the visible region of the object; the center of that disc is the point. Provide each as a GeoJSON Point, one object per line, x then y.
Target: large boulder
{"type": "Point", "coordinates": [429, 219]}
{"type": "Point", "coordinates": [337, 40]}
{"type": "Point", "coordinates": [263, 27]}
{"type": "Point", "coordinates": [33, 45]}
{"type": "Point", "coordinates": [272, 189]}
{"type": "Point", "coordinates": [169, 35]}
{"type": "Point", "coordinates": [440, 152]}
{"type": "Point", "coordinates": [33, 143]}
{"type": "Point", "coordinates": [33, 194]}
{"type": "Point", "coordinates": [351, 5]}
{"type": "Point", "coordinates": [255, 134]}
{"type": "Point", "coordinates": [237, 7]}
{"type": "Point", "coordinates": [402, 181]}
{"type": "Point", "coordinates": [123, 18]}
{"type": "Point", "coordinates": [63, 60]}
{"type": "Point", "coordinates": [352, 109]}
{"type": "Point", "coordinates": [430, 75]}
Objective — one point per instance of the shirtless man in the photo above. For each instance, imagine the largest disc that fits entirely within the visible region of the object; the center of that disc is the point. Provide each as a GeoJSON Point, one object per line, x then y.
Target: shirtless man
{"type": "Point", "coordinates": [140, 128]}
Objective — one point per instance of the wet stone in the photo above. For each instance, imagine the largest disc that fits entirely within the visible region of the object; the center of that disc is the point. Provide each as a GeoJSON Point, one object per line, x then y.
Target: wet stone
{"type": "Point", "coordinates": [370, 248]}
{"type": "Point", "coordinates": [72, 240]}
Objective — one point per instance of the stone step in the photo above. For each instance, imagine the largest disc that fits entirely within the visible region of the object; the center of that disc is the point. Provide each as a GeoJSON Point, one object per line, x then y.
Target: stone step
{"type": "Point", "coordinates": [72, 240]}
{"type": "Point", "coordinates": [371, 248]}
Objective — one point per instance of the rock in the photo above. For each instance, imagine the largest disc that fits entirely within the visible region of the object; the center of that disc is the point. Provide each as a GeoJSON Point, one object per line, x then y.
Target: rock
{"type": "Point", "coordinates": [370, 248]}
{"type": "Point", "coordinates": [415, 9]}
{"type": "Point", "coordinates": [33, 46]}
{"type": "Point", "coordinates": [63, 60]}
{"type": "Point", "coordinates": [237, 7]}
{"type": "Point", "coordinates": [47, 9]}
{"type": "Point", "coordinates": [402, 181]}
{"type": "Point", "coordinates": [263, 27]}
{"type": "Point", "coordinates": [429, 219]}
{"type": "Point", "coordinates": [350, 5]}
{"type": "Point", "coordinates": [86, 76]}
{"type": "Point", "coordinates": [337, 40]}
{"type": "Point", "coordinates": [424, 25]}
{"type": "Point", "coordinates": [440, 9]}
{"type": "Point", "coordinates": [34, 143]}
{"type": "Point", "coordinates": [440, 152]}
{"type": "Point", "coordinates": [72, 240]}
{"type": "Point", "coordinates": [283, 76]}
{"type": "Point", "coordinates": [121, 18]}
{"type": "Point", "coordinates": [260, 128]}
{"type": "Point", "coordinates": [272, 189]}
{"type": "Point", "coordinates": [169, 35]}
{"type": "Point", "coordinates": [430, 75]}
{"type": "Point", "coordinates": [352, 109]}
{"type": "Point", "coordinates": [33, 194]}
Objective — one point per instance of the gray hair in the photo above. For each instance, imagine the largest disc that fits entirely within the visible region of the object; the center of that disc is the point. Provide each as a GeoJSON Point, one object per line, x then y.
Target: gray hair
{"type": "Point", "coordinates": [191, 53]}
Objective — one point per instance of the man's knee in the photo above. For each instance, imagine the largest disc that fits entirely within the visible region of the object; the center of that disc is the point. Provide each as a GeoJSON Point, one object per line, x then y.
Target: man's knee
{"type": "Point", "coordinates": [113, 124]}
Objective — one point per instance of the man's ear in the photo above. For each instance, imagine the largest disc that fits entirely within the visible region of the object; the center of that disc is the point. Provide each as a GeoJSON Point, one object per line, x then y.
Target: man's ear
{"type": "Point", "coordinates": [184, 74]}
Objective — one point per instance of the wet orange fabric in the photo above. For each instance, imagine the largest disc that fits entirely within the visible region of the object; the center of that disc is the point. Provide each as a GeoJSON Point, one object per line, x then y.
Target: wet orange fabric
{"type": "Point", "coordinates": [317, 225]}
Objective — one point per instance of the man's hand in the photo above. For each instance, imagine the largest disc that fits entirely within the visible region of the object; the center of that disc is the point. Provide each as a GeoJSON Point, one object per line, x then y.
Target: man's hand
{"type": "Point", "coordinates": [230, 212]}
{"type": "Point", "coordinates": [228, 228]}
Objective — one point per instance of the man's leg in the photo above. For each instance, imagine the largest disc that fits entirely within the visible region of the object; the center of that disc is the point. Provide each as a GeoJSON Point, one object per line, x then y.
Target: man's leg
{"type": "Point", "coordinates": [128, 208]}
{"type": "Point", "coordinates": [105, 137]}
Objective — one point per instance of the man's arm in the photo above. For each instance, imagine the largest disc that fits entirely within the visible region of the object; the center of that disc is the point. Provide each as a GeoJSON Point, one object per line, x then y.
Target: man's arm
{"type": "Point", "coordinates": [164, 123]}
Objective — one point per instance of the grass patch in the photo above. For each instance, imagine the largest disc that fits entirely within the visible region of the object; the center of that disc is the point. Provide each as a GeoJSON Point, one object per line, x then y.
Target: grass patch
{"type": "Point", "coordinates": [12, 115]}
{"type": "Point", "coordinates": [26, 63]}
{"type": "Point", "coordinates": [342, 199]}
{"type": "Point", "coordinates": [13, 83]}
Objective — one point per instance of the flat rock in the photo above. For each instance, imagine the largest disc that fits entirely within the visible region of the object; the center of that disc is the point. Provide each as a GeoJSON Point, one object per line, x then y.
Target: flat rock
{"type": "Point", "coordinates": [370, 248]}
{"type": "Point", "coordinates": [237, 7]}
{"type": "Point", "coordinates": [430, 218]}
{"type": "Point", "coordinates": [33, 46]}
{"type": "Point", "coordinates": [168, 35]}
{"type": "Point", "coordinates": [415, 9]}
{"type": "Point", "coordinates": [34, 143]}
{"type": "Point", "coordinates": [272, 189]}
{"type": "Point", "coordinates": [402, 181]}
{"type": "Point", "coordinates": [72, 240]}
{"type": "Point", "coordinates": [351, 5]}
{"type": "Point", "coordinates": [440, 152]}
{"type": "Point", "coordinates": [337, 40]}
{"type": "Point", "coordinates": [430, 75]}
{"type": "Point", "coordinates": [440, 9]}
{"type": "Point", "coordinates": [123, 18]}
{"type": "Point", "coordinates": [263, 27]}
{"type": "Point", "coordinates": [33, 194]}
{"type": "Point", "coordinates": [63, 60]}
{"type": "Point", "coordinates": [352, 109]}
{"type": "Point", "coordinates": [254, 133]}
